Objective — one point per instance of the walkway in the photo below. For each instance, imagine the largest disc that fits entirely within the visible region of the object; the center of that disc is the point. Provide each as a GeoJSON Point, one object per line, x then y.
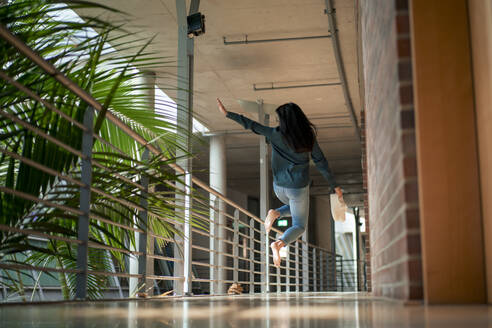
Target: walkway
{"type": "Point", "coordinates": [274, 310]}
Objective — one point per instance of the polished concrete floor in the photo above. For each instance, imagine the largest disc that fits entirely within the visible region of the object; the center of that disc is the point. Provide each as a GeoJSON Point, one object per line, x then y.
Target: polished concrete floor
{"type": "Point", "coordinates": [273, 310]}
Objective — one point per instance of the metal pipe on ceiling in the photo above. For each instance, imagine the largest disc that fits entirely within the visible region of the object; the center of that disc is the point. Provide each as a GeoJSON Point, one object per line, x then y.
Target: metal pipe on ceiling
{"type": "Point", "coordinates": [330, 12]}
{"type": "Point", "coordinates": [294, 86]}
{"type": "Point", "coordinates": [247, 41]}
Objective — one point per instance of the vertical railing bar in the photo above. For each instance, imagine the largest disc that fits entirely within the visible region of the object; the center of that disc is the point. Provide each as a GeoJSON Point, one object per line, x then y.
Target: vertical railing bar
{"type": "Point", "coordinates": [235, 250]}
{"type": "Point", "coordinates": [328, 272]}
{"type": "Point", "coordinates": [265, 266]}
{"type": "Point", "coordinates": [298, 281]}
{"type": "Point", "coordinates": [278, 280]}
{"type": "Point", "coordinates": [188, 238]}
{"type": "Point", "coordinates": [315, 273]}
{"type": "Point", "coordinates": [287, 270]}
{"type": "Point", "coordinates": [212, 246]}
{"type": "Point", "coordinates": [143, 236]}
{"type": "Point", "coordinates": [342, 278]}
{"type": "Point", "coordinates": [321, 272]}
{"type": "Point", "coordinates": [305, 265]}
{"type": "Point", "coordinates": [85, 203]}
{"type": "Point", "coordinates": [251, 256]}
{"type": "Point", "coordinates": [216, 245]}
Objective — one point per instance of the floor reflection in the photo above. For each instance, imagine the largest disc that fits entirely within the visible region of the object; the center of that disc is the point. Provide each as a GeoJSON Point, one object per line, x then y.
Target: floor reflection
{"type": "Point", "coordinates": [258, 311]}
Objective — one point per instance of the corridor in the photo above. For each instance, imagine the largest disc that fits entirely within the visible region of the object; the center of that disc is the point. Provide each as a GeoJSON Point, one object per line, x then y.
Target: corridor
{"type": "Point", "coordinates": [259, 310]}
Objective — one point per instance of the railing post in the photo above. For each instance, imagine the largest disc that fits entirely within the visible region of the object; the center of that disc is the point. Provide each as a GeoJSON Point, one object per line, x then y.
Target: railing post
{"type": "Point", "coordinates": [145, 264]}
{"type": "Point", "coordinates": [279, 286]}
{"type": "Point", "coordinates": [321, 272]}
{"type": "Point", "coordinates": [327, 270]}
{"type": "Point", "coordinates": [188, 238]}
{"type": "Point", "coordinates": [315, 273]}
{"type": "Point", "coordinates": [278, 278]}
{"type": "Point", "coordinates": [341, 274]}
{"type": "Point", "coordinates": [287, 270]}
{"type": "Point", "coordinates": [335, 271]}
{"type": "Point", "coordinates": [251, 256]}
{"type": "Point", "coordinates": [305, 264]}
{"type": "Point", "coordinates": [214, 231]}
{"type": "Point", "coordinates": [265, 265]}
{"type": "Point", "coordinates": [298, 281]}
{"type": "Point", "coordinates": [235, 247]}
{"type": "Point", "coordinates": [85, 204]}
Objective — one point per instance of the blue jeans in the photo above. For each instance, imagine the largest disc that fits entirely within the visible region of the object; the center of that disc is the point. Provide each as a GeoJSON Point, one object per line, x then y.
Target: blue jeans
{"type": "Point", "coordinates": [296, 202]}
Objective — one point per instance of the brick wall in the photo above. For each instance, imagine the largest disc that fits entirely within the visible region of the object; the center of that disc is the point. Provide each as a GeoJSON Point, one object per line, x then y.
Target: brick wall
{"type": "Point", "coordinates": [367, 247]}
{"type": "Point", "coordinates": [390, 164]}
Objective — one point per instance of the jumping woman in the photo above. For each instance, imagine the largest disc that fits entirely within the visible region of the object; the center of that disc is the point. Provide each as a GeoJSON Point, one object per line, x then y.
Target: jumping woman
{"type": "Point", "coordinates": [293, 142]}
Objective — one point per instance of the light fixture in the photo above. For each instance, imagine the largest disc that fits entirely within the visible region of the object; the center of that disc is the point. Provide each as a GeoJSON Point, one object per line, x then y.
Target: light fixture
{"type": "Point", "coordinates": [282, 223]}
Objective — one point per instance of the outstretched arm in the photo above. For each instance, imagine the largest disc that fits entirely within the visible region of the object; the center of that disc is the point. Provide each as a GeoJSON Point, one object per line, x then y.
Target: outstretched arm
{"type": "Point", "coordinates": [322, 165]}
{"type": "Point", "coordinates": [245, 122]}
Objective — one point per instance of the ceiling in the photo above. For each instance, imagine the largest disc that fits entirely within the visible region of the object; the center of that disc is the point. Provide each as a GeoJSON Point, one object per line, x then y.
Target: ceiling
{"type": "Point", "coordinates": [230, 71]}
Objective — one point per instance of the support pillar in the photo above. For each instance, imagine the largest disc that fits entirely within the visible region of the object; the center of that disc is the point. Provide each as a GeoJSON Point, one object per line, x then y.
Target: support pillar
{"type": "Point", "coordinates": [185, 128]}
{"type": "Point", "coordinates": [218, 181]}
{"type": "Point", "coordinates": [143, 244]}
{"type": "Point", "coordinates": [264, 197]}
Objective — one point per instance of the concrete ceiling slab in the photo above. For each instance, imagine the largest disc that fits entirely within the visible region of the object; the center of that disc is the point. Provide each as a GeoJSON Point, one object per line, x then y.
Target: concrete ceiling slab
{"type": "Point", "coordinates": [230, 71]}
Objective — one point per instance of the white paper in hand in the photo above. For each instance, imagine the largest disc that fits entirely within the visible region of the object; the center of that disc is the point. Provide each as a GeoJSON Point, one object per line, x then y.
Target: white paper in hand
{"type": "Point", "coordinates": [338, 208]}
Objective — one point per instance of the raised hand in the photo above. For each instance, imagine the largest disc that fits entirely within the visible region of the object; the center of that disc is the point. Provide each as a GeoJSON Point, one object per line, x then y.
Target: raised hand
{"type": "Point", "coordinates": [221, 107]}
{"type": "Point", "coordinates": [339, 192]}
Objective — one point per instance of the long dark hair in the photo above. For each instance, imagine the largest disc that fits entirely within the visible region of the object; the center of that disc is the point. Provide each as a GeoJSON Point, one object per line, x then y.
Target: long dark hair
{"type": "Point", "coordinates": [295, 127]}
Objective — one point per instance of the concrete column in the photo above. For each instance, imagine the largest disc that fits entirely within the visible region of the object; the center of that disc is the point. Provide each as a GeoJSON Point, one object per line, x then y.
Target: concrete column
{"type": "Point", "coordinates": [185, 128]}
{"type": "Point", "coordinates": [148, 81]}
{"type": "Point", "coordinates": [264, 197]}
{"type": "Point", "coordinates": [218, 176]}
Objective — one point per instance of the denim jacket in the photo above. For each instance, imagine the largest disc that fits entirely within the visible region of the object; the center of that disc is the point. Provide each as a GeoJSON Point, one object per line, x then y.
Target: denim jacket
{"type": "Point", "coordinates": [290, 169]}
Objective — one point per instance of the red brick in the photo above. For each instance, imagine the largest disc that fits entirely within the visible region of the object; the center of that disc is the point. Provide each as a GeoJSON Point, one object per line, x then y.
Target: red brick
{"type": "Point", "coordinates": [404, 47]}
{"type": "Point", "coordinates": [407, 119]}
{"type": "Point", "coordinates": [414, 268]}
{"type": "Point", "coordinates": [412, 219]}
{"type": "Point", "coordinates": [406, 95]}
{"type": "Point", "coordinates": [413, 245]}
{"type": "Point", "coordinates": [409, 166]}
{"type": "Point", "coordinates": [409, 144]}
{"type": "Point", "coordinates": [401, 5]}
{"type": "Point", "coordinates": [411, 191]}
{"type": "Point", "coordinates": [402, 23]}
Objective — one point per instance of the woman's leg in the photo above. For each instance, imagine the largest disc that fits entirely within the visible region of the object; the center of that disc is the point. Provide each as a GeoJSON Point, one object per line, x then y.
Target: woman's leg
{"type": "Point", "coordinates": [299, 208]}
{"type": "Point", "coordinates": [279, 212]}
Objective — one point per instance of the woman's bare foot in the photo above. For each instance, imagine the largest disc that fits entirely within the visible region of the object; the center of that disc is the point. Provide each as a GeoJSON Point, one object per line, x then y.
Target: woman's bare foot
{"type": "Point", "coordinates": [270, 219]}
{"type": "Point", "coordinates": [276, 246]}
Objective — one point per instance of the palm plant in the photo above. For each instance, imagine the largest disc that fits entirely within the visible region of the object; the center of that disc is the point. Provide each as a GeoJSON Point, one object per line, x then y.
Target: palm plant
{"type": "Point", "coordinates": [90, 60]}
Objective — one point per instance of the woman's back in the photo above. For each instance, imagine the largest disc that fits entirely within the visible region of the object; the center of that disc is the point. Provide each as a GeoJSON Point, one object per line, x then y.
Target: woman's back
{"type": "Point", "coordinates": [290, 168]}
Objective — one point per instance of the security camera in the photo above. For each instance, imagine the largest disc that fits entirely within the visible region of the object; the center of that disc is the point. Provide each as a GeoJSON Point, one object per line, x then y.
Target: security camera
{"type": "Point", "coordinates": [196, 24]}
